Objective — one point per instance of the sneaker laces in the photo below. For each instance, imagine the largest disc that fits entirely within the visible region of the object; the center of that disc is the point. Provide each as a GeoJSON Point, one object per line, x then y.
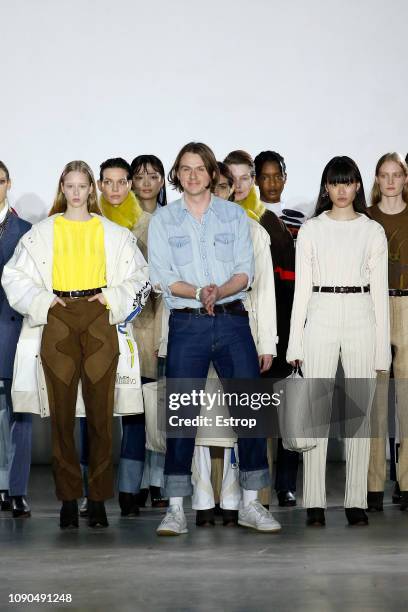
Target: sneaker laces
{"type": "Point", "coordinates": [256, 504]}
{"type": "Point", "coordinates": [171, 515]}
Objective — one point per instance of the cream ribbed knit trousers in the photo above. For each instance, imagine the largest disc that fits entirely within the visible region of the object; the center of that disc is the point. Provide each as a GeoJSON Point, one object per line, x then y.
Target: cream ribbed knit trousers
{"type": "Point", "coordinates": [341, 325]}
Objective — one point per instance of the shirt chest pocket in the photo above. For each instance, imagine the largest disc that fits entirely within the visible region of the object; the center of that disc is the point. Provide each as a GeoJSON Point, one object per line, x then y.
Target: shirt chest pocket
{"type": "Point", "coordinates": [181, 249]}
{"type": "Point", "coordinates": [224, 246]}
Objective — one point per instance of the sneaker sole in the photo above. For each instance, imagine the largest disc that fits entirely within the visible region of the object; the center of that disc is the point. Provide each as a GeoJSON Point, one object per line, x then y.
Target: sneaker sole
{"type": "Point", "coordinates": [273, 530]}
{"type": "Point", "coordinates": [169, 532]}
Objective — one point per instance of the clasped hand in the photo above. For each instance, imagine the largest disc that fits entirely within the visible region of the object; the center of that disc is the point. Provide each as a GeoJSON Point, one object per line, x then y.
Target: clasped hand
{"type": "Point", "coordinates": [208, 297]}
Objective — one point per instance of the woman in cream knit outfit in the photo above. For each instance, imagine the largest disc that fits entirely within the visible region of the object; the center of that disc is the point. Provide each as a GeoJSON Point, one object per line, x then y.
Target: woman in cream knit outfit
{"type": "Point", "coordinates": [340, 309]}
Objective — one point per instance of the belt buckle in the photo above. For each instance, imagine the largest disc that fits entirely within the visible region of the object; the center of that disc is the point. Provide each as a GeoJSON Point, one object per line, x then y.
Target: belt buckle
{"type": "Point", "coordinates": [355, 289]}
{"type": "Point", "coordinates": [73, 297]}
{"type": "Point", "coordinates": [341, 290]}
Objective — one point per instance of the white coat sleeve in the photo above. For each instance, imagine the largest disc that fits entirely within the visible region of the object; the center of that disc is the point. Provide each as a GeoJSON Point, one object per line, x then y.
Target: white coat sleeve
{"type": "Point", "coordinates": [265, 305]}
{"type": "Point", "coordinates": [24, 287]}
{"type": "Point", "coordinates": [303, 292]}
{"type": "Point", "coordinates": [378, 268]}
{"type": "Point", "coordinates": [126, 300]}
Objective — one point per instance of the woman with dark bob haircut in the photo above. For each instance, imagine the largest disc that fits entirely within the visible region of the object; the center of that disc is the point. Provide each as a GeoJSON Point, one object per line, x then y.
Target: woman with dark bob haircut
{"type": "Point", "coordinates": [340, 309]}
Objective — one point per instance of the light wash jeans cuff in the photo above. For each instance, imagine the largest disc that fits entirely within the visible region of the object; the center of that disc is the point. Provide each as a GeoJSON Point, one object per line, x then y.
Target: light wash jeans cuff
{"type": "Point", "coordinates": [130, 475]}
{"type": "Point", "coordinates": [254, 480]}
{"type": "Point", "coordinates": [177, 485]}
{"type": "Point", "coordinates": [4, 479]}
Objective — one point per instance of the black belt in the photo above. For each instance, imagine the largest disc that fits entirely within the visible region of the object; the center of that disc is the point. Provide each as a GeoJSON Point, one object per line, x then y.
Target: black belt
{"type": "Point", "coordinates": [78, 294]}
{"type": "Point", "coordinates": [397, 292]}
{"type": "Point", "coordinates": [365, 289]}
{"type": "Point", "coordinates": [236, 307]}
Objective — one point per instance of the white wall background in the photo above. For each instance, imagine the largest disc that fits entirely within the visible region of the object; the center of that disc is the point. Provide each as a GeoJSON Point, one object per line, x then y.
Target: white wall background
{"type": "Point", "coordinates": [93, 79]}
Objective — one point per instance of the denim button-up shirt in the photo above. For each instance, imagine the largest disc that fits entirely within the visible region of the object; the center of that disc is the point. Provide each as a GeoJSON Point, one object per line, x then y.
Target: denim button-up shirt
{"type": "Point", "coordinates": [181, 248]}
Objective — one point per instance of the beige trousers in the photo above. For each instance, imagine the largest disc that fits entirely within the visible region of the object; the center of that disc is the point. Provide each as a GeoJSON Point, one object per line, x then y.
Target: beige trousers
{"type": "Point", "coordinates": [399, 340]}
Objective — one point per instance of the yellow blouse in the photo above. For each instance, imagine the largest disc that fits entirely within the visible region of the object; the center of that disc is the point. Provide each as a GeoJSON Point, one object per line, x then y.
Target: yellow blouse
{"type": "Point", "coordinates": [79, 255]}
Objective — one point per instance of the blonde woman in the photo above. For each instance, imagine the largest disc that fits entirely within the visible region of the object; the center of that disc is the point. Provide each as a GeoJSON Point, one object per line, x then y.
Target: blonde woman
{"type": "Point", "coordinates": [389, 207]}
{"type": "Point", "coordinates": [77, 275]}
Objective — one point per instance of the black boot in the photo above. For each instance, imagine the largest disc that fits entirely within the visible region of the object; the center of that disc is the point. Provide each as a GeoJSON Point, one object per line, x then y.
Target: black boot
{"type": "Point", "coordinates": [69, 514]}
{"type": "Point", "coordinates": [4, 501]}
{"type": "Point", "coordinates": [396, 494]}
{"type": "Point", "coordinates": [141, 498]}
{"type": "Point", "coordinates": [230, 518]}
{"type": "Point", "coordinates": [20, 507]}
{"type": "Point", "coordinates": [205, 518]}
{"type": "Point", "coordinates": [404, 501]}
{"type": "Point", "coordinates": [356, 516]}
{"type": "Point", "coordinates": [286, 499]}
{"type": "Point", "coordinates": [156, 498]}
{"type": "Point", "coordinates": [375, 501]}
{"type": "Point", "coordinates": [315, 517]}
{"type": "Point", "coordinates": [97, 514]}
{"type": "Point", "coordinates": [128, 504]}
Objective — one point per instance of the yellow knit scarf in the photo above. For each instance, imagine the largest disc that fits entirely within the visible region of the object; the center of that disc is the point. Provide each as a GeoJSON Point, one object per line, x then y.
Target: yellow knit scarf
{"type": "Point", "coordinates": [253, 205]}
{"type": "Point", "coordinates": [126, 214]}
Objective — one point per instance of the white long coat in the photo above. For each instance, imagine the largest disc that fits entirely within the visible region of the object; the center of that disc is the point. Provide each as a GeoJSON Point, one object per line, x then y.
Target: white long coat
{"type": "Point", "coordinates": [27, 281]}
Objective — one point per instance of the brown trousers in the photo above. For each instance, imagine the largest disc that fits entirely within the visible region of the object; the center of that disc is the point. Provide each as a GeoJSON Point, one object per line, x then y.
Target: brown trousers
{"type": "Point", "coordinates": [78, 343]}
{"type": "Point", "coordinates": [379, 418]}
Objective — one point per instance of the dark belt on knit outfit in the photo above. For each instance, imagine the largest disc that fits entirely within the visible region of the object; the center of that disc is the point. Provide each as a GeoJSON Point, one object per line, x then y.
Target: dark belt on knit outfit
{"type": "Point", "coordinates": [397, 292]}
{"type": "Point", "coordinates": [365, 289]}
{"type": "Point", "coordinates": [236, 308]}
{"type": "Point", "coordinates": [78, 294]}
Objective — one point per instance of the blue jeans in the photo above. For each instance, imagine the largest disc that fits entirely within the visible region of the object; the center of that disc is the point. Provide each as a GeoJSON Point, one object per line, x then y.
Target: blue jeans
{"type": "Point", "coordinates": [15, 448]}
{"type": "Point", "coordinates": [194, 342]}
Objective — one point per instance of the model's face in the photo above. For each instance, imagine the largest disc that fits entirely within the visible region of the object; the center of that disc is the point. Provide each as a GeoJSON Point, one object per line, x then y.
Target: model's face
{"type": "Point", "coordinates": [147, 183]}
{"type": "Point", "coordinates": [391, 179]}
{"type": "Point", "coordinates": [223, 189]}
{"type": "Point", "coordinates": [193, 174]}
{"type": "Point", "coordinates": [243, 181]}
{"type": "Point", "coordinates": [114, 185]}
{"type": "Point", "coordinates": [4, 186]}
{"type": "Point", "coordinates": [342, 195]}
{"type": "Point", "coordinates": [271, 182]}
{"type": "Point", "coordinates": [76, 188]}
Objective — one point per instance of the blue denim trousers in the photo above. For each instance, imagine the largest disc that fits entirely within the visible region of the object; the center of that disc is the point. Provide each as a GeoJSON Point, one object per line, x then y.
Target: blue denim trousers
{"type": "Point", "coordinates": [194, 342]}
{"type": "Point", "coordinates": [15, 444]}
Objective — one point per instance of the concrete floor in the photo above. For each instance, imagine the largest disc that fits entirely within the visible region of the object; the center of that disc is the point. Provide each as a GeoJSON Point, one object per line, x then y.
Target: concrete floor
{"type": "Point", "coordinates": [127, 567]}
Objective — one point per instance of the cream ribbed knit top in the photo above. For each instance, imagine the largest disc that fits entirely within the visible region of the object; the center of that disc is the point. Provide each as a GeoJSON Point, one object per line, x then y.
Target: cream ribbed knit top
{"type": "Point", "coordinates": [342, 253]}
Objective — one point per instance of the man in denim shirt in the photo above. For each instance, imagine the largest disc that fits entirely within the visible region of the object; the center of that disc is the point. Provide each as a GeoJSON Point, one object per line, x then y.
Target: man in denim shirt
{"type": "Point", "coordinates": [201, 258]}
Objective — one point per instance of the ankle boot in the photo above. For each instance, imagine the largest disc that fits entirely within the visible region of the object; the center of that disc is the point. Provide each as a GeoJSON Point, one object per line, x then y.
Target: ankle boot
{"type": "Point", "coordinates": [315, 517]}
{"type": "Point", "coordinates": [69, 514]}
{"type": "Point", "coordinates": [97, 514]}
{"type": "Point", "coordinates": [375, 501]}
{"type": "Point", "coordinates": [356, 516]}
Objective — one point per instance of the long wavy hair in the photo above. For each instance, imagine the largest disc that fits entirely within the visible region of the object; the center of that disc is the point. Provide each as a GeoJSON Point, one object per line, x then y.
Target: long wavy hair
{"type": "Point", "coordinates": [344, 170]}
{"type": "Point", "coordinates": [376, 194]}
{"type": "Point", "coordinates": [60, 201]}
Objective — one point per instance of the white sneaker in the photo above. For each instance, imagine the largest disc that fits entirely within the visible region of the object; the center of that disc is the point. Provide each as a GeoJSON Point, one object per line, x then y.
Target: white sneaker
{"type": "Point", "coordinates": [257, 517]}
{"type": "Point", "coordinates": [174, 523]}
